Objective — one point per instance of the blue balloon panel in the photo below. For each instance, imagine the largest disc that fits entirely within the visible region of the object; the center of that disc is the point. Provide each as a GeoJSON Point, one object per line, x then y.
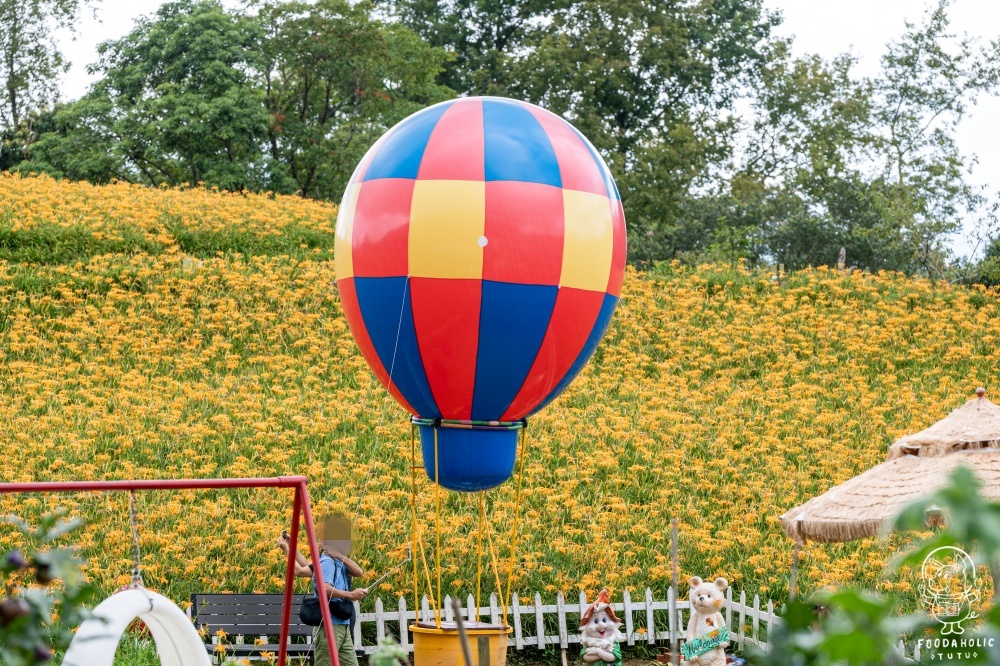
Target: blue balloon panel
{"type": "Point", "coordinates": [469, 459]}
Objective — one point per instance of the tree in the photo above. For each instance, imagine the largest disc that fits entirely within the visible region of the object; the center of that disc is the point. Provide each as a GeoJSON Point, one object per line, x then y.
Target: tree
{"type": "Point", "coordinates": [651, 84]}
{"type": "Point", "coordinates": [31, 62]}
{"type": "Point", "coordinates": [923, 93]}
{"type": "Point", "coordinates": [656, 98]}
{"type": "Point", "coordinates": [486, 37]}
{"type": "Point", "coordinates": [866, 164]}
{"type": "Point", "coordinates": [335, 80]}
{"type": "Point", "coordinates": [179, 103]}
{"type": "Point", "coordinates": [287, 99]}
{"type": "Point", "coordinates": [658, 102]}
{"type": "Point", "coordinates": [804, 175]}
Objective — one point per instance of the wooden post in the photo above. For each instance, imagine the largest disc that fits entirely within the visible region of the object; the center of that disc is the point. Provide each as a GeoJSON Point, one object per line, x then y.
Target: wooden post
{"type": "Point", "coordinates": [484, 651]}
{"type": "Point", "coordinates": [795, 570]}
{"type": "Point", "coordinates": [672, 621]}
{"type": "Point", "coordinates": [561, 617]}
{"type": "Point", "coordinates": [462, 637]}
{"type": "Point", "coordinates": [674, 574]}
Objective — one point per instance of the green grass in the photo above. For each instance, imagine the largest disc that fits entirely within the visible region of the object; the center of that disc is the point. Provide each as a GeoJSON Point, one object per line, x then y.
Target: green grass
{"type": "Point", "coordinates": [51, 244]}
{"type": "Point", "coordinates": [291, 241]}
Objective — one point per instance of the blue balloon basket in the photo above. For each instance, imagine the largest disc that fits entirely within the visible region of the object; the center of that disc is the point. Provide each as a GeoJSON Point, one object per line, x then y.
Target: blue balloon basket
{"type": "Point", "coordinates": [470, 457]}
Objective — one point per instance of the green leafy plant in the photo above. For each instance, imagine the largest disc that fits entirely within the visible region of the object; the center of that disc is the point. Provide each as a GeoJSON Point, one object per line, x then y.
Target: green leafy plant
{"type": "Point", "coordinates": [856, 628]}
{"type": "Point", "coordinates": [44, 593]}
{"type": "Point", "coordinates": [389, 653]}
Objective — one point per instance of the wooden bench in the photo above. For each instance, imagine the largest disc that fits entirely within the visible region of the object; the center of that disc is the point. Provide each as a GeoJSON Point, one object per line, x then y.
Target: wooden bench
{"type": "Point", "coordinates": [254, 616]}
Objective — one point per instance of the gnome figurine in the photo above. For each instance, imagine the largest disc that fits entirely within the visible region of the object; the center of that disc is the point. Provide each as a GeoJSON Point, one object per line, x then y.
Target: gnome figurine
{"type": "Point", "coordinates": [599, 634]}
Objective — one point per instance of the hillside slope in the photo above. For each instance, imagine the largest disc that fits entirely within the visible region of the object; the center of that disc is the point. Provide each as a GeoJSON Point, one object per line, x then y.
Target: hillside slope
{"type": "Point", "coordinates": [166, 333]}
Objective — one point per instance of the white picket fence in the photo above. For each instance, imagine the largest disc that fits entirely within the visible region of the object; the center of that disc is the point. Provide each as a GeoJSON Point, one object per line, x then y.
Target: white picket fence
{"type": "Point", "coordinates": [747, 622]}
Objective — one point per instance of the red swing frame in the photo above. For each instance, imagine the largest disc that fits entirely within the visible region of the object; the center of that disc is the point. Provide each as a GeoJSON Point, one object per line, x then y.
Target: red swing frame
{"type": "Point", "coordinates": [300, 505]}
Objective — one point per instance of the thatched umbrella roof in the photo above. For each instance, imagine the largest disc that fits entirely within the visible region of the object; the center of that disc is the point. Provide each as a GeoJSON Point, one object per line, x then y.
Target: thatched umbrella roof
{"type": "Point", "coordinates": [974, 425]}
{"type": "Point", "coordinates": [917, 465]}
{"type": "Point", "coordinates": [865, 505]}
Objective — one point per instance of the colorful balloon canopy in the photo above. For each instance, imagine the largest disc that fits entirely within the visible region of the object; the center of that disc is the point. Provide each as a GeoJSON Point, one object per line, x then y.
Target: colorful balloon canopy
{"type": "Point", "coordinates": [480, 250]}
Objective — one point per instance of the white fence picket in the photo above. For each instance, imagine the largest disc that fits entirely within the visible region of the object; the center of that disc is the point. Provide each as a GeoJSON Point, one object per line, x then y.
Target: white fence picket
{"type": "Point", "coordinates": [650, 628]}
{"type": "Point", "coordinates": [561, 616]}
{"type": "Point", "coordinates": [518, 630]}
{"type": "Point", "coordinates": [471, 610]}
{"type": "Point", "coordinates": [729, 609]}
{"type": "Point", "coordinates": [539, 622]}
{"type": "Point", "coordinates": [356, 637]}
{"type": "Point", "coordinates": [627, 608]}
{"type": "Point", "coordinates": [743, 617]}
{"type": "Point", "coordinates": [404, 629]}
{"type": "Point", "coordinates": [379, 620]}
{"type": "Point", "coordinates": [770, 620]}
{"type": "Point", "coordinates": [672, 632]}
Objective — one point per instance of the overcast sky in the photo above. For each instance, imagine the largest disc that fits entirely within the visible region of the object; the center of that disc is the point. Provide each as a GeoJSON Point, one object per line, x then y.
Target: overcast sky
{"type": "Point", "coordinates": [819, 26]}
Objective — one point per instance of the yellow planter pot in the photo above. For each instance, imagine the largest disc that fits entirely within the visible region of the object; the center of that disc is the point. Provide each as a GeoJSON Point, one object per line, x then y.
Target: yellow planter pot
{"type": "Point", "coordinates": [443, 647]}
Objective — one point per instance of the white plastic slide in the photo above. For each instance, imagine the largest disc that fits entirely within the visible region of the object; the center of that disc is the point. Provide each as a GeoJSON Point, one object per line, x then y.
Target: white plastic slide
{"type": "Point", "coordinates": [177, 641]}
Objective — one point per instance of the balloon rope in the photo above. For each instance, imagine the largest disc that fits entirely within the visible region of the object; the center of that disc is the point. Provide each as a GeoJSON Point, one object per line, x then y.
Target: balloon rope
{"type": "Point", "coordinates": [479, 560]}
{"type": "Point", "coordinates": [517, 513]}
{"type": "Point", "coordinates": [437, 519]}
{"type": "Point", "coordinates": [413, 524]}
{"type": "Point", "coordinates": [496, 570]}
{"type": "Point", "coordinates": [427, 573]}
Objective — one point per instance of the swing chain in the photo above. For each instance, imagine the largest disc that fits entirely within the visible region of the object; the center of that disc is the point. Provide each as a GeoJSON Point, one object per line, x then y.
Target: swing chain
{"type": "Point", "coordinates": [133, 515]}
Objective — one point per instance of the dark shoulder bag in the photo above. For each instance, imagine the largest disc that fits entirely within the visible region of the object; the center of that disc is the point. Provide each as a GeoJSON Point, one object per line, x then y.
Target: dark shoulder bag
{"type": "Point", "coordinates": [311, 615]}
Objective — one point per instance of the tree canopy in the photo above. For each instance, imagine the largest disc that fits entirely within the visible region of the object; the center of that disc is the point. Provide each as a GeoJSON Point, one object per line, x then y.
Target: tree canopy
{"type": "Point", "coordinates": [724, 144]}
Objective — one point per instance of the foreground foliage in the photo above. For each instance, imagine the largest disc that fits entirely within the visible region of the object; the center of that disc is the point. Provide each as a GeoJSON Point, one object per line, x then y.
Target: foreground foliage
{"type": "Point", "coordinates": [856, 628]}
{"type": "Point", "coordinates": [45, 592]}
{"type": "Point", "coordinates": [165, 333]}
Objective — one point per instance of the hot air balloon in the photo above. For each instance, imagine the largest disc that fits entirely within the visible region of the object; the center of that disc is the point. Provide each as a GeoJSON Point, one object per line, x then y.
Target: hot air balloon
{"type": "Point", "coordinates": [480, 251]}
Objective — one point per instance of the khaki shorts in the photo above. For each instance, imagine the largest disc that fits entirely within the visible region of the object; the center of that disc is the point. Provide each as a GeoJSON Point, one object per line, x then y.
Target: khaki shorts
{"type": "Point", "coordinates": [345, 646]}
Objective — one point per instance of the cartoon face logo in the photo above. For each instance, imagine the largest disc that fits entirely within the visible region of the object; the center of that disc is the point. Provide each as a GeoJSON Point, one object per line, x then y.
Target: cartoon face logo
{"type": "Point", "coordinates": [949, 588]}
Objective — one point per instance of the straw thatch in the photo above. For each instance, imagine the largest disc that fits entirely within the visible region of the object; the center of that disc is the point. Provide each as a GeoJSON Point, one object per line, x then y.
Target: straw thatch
{"type": "Point", "coordinates": [866, 505]}
{"type": "Point", "coordinates": [974, 425]}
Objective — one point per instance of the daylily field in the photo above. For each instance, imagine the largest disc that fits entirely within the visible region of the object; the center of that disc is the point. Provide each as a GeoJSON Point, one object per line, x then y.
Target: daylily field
{"type": "Point", "coordinates": [188, 333]}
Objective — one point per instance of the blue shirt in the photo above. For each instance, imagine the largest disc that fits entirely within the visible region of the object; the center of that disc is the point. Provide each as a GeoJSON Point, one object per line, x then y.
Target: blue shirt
{"type": "Point", "coordinates": [334, 573]}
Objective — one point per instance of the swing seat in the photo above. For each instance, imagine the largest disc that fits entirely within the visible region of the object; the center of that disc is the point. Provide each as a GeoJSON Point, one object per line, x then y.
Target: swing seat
{"type": "Point", "coordinates": [177, 641]}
